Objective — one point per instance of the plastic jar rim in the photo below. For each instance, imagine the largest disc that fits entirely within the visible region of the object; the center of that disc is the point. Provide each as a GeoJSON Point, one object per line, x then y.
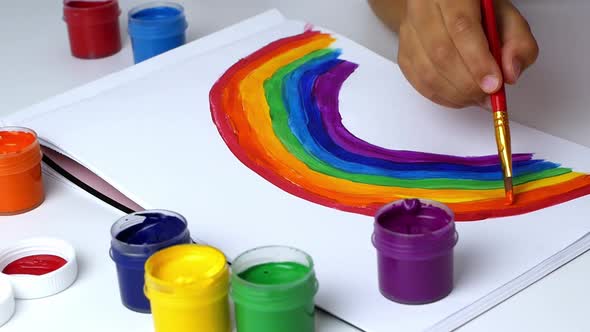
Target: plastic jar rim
{"type": "Point", "coordinates": [210, 295]}
{"type": "Point", "coordinates": [22, 130]}
{"type": "Point", "coordinates": [23, 160]}
{"type": "Point", "coordinates": [105, 12]}
{"type": "Point", "coordinates": [442, 230]}
{"type": "Point", "coordinates": [156, 4]}
{"type": "Point", "coordinates": [100, 4]}
{"type": "Point", "coordinates": [158, 28]}
{"type": "Point", "coordinates": [292, 284]}
{"type": "Point", "coordinates": [140, 250]}
{"type": "Point", "coordinates": [219, 280]}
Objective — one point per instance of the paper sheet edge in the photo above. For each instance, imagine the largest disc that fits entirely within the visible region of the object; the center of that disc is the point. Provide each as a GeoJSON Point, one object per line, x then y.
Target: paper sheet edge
{"type": "Point", "coordinates": [513, 287]}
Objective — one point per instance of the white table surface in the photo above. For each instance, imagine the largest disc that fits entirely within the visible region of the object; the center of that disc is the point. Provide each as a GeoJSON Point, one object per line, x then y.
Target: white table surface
{"type": "Point", "coordinates": [35, 64]}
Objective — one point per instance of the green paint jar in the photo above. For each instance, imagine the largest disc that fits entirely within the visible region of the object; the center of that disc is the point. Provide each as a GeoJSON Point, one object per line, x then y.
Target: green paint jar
{"type": "Point", "coordinates": [273, 289]}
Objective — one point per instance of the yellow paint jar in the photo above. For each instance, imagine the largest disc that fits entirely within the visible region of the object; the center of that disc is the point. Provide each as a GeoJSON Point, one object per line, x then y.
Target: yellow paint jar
{"type": "Point", "coordinates": [187, 286]}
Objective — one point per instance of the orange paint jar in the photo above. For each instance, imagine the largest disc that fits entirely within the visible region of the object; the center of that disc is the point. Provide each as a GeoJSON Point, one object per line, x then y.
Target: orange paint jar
{"type": "Point", "coordinates": [21, 183]}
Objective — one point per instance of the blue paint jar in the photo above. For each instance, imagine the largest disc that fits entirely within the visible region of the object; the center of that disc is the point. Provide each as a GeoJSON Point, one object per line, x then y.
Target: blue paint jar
{"type": "Point", "coordinates": [155, 28]}
{"type": "Point", "coordinates": [134, 238]}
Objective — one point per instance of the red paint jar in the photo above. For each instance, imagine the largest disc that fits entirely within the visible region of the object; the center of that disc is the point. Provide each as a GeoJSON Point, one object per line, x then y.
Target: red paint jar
{"type": "Point", "coordinates": [21, 183]}
{"type": "Point", "coordinates": [93, 28]}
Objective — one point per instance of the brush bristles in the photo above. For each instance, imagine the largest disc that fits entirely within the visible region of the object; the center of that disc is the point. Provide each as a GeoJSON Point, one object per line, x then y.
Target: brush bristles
{"type": "Point", "coordinates": [509, 191]}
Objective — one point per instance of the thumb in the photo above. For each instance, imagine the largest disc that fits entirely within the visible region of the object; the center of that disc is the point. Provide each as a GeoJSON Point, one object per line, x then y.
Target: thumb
{"type": "Point", "coordinates": [519, 47]}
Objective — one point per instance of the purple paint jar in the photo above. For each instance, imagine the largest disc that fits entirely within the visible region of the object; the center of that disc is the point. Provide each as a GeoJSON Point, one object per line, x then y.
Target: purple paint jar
{"type": "Point", "coordinates": [414, 239]}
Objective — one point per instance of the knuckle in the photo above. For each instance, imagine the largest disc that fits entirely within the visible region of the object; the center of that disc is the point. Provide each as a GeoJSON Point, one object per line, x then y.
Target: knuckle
{"type": "Point", "coordinates": [429, 76]}
{"type": "Point", "coordinates": [533, 48]}
{"type": "Point", "coordinates": [529, 48]}
{"type": "Point", "coordinates": [461, 24]}
{"type": "Point", "coordinates": [441, 53]}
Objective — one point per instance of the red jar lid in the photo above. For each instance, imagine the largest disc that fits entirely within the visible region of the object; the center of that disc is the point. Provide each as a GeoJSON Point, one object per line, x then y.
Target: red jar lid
{"type": "Point", "coordinates": [38, 267]}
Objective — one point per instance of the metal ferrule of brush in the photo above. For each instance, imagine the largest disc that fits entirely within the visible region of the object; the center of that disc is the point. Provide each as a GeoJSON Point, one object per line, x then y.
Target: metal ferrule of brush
{"type": "Point", "coordinates": [503, 141]}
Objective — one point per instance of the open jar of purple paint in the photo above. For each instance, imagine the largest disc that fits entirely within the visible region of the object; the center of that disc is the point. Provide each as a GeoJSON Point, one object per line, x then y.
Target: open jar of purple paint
{"type": "Point", "coordinates": [415, 239]}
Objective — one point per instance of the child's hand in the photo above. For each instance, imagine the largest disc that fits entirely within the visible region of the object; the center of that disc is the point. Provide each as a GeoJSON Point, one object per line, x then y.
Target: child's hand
{"type": "Point", "coordinates": [444, 53]}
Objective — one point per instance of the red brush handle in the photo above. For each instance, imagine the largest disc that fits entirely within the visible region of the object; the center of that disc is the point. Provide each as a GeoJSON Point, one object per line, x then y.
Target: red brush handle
{"type": "Point", "coordinates": [491, 30]}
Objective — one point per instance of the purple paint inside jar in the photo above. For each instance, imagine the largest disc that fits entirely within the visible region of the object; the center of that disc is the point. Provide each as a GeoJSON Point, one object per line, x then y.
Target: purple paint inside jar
{"type": "Point", "coordinates": [414, 241]}
{"type": "Point", "coordinates": [413, 218]}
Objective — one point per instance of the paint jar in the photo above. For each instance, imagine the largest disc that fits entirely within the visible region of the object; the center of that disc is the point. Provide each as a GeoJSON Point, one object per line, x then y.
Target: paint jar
{"type": "Point", "coordinates": [414, 239]}
{"type": "Point", "coordinates": [155, 28]}
{"type": "Point", "coordinates": [188, 288]}
{"type": "Point", "coordinates": [21, 182]}
{"type": "Point", "coordinates": [39, 267]}
{"type": "Point", "coordinates": [273, 289]}
{"type": "Point", "coordinates": [135, 238]}
{"type": "Point", "coordinates": [93, 27]}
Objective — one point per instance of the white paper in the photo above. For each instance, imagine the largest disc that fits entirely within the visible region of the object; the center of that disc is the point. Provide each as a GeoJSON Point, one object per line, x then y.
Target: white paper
{"type": "Point", "coordinates": [128, 134]}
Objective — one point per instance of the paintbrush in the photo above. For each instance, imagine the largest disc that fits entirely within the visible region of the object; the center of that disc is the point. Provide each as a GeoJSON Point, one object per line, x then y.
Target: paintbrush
{"type": "Point", "coordinates": [498, 99]}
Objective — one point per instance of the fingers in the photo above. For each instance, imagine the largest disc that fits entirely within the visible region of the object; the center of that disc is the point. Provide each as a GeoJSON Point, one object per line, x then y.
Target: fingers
{"type": "Point", "coordinates": [424, 89]}
{"type": "Point", "coordinates": [452, 38]}
{"type": "Point", "coordinates": [422, 74]}
{"type": "Point", "coordinates": [462, 19]}
{"type": "Point", "coordinates": [520, 49]}
{"type": "Point", "coordinates": [427, 22]}
{"type": "Point", "coordinates": [444, 52]}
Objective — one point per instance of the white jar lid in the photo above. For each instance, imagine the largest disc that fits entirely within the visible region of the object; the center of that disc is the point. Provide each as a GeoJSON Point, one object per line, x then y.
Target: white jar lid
{"type": "Point", "coordinates": [26, 286]}
{"type": "Point", "coordinates": [6, 300]}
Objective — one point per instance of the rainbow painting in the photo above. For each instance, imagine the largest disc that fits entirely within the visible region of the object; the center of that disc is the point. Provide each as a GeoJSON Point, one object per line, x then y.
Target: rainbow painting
{"type": "Point", "coordinates": [278, 112]}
